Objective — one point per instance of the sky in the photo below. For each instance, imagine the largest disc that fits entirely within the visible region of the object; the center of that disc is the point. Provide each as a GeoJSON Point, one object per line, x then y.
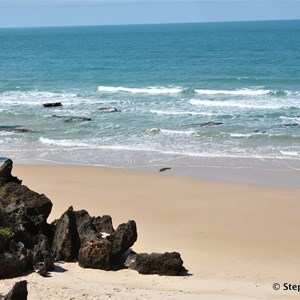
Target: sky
{"type": "Point", "coordinates": [37, 13]}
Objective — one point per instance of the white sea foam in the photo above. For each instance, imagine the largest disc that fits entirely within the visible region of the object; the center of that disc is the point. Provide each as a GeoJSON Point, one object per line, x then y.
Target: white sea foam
{"type": "Point", "coordinates": [291, 119]}
{"type": "Point", "coordinates": [63, 142]}
{"type": "Point", "coordinates": [145, 90]}
{"type": "Point", "coordinates": [241, 92]}
{"type": "Point", "coordinates": [34, 98]}
{"type": "Point", "coordinates": [290, 153]}
{"type": "Point", "coordinates": [178, 132]}
{"type": "Point", "coordinates": [172, 132]}
{"type": "Point", "coordinates": [241, 135]}
{"type": "Point", "coordinates": [238, 104]}
{"type": "Point", "coordinates": [168, 112]}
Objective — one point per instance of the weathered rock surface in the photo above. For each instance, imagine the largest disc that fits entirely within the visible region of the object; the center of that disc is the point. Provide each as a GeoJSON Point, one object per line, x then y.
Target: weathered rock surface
{"type": "Point", "coordinates": [18, 291]}
{"type": "Point", "coordinates": [123, 238]}
{"type": "Point", "coordinates": [16, 260]}
{"type": "Point", "coordinates": [93, 241]}
{"type": "Point", "coordinates": [168, 263]}
{"type": "Point", "coordinates": [23, 219]}
{"type": "Point", "coordinates": [66, 240]}
{"type": "Point", "coordinates": [96, 255]}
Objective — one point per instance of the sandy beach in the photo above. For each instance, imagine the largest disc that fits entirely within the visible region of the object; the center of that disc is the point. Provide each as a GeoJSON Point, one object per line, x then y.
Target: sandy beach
{"type": "Point", "coordinates": [236, 240]}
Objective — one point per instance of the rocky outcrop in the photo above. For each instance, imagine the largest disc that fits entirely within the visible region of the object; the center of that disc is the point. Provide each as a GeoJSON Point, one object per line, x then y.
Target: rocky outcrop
{"type": "Point", "coordinates": [28, 242]}
{"type": "Point", "coordinates": [91, 240]}
{"type": "Point", "coordinates": [169, 264]}
{"type": "Point", "coordinates": [25, 234]}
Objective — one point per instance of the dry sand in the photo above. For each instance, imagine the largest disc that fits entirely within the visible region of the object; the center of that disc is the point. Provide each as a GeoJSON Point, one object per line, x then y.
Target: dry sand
{"type": "Point", "coordinates": [235, 240]}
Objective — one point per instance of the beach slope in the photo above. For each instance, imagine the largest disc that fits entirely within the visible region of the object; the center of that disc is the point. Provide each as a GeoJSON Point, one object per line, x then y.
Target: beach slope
{"type": "Point", "coordinates": [235, 240]}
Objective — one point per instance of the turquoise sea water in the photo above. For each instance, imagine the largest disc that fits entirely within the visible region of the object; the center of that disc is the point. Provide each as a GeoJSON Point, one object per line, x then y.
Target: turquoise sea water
{"type": "Point", "coordinates": [166, 80]}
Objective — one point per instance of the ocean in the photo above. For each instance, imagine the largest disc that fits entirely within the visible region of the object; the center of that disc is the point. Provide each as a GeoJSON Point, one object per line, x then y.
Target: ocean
{"type": "Point", "coordinates": [186, 94]}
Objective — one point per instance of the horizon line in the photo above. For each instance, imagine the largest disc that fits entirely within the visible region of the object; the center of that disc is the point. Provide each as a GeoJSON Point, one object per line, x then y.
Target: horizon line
{"type": "Point", "coordinates": [146, 24]}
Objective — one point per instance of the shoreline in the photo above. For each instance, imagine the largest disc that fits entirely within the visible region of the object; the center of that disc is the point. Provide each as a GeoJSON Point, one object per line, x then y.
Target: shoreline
{"type": "Point", "coordinates": [281, 173]}
{"type": "Point", "coordinates": [230, 236]}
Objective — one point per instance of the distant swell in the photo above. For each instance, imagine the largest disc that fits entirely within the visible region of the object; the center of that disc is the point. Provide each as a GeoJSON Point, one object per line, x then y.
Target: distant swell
{"type": "Point", "coordinates": [237, 104]}
{"type": "Point", "coordinates": [241, 92]}
{"type": "Point", "coordinates": [146, 90]}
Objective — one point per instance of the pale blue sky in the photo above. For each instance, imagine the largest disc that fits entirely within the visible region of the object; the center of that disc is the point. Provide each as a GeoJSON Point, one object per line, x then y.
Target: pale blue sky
{"type": "Point", "coordinates": [24, 13]}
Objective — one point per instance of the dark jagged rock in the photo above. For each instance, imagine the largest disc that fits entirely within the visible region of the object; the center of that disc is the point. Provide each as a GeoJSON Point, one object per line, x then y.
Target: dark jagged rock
{"type": "Point", "coordinates": [52, 104]}
{"type": "Point", "coordinates": [85, 227]}
{"type": "Point", "coordinates": [15, 261]}
{"type": "Point", "coordinates": [23, 218]}
{"type": "Point", "coordinates": [18, 291]}
{"type": "Point", "coordinates": [95, 255]}
{"type": "Point", "coordinates": [109, 109]}
{"type": "Point", "coordinates": [42, 254]}
{"type": "Point", "coordinates": [5, 173]}
{"type": "Point", "coordinates": [123, 238]}
{"type": "Point", "coordinates": [103, 224]}
{"type": "Point", "coordinates": [91, 240]}
{"type": "Point", "coordinates": [76, 228]}
{"type": "Point", "coordinates": [29, 208]}
{"type": "Point", "coordinates": [66, 240]}
{"type": "Point", "coordinates": [169, 264]}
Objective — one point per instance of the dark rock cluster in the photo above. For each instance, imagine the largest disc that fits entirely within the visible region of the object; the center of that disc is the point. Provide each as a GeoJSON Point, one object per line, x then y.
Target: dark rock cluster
{"type": "Point", "coordinates": [28, 242]}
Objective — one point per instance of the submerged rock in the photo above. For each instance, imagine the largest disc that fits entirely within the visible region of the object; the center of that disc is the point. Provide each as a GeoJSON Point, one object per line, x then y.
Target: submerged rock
{"type": "Point", "coordinates": [14, 128]}
{"type": "Point", "coordinates": [78, 119]}
{"type": "Point", "coordinates": [52, 104]}
{"type": "Point", "coordinates": [206, 124]}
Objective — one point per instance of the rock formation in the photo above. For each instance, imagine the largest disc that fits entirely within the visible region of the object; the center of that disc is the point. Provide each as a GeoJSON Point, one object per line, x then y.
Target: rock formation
{"type": "Point", "coordinates": [28, 242]}
{"type": "Point", "coordinates": [92, 241]}
{"type": "Point", "coordinates": [169, 264]}
{"type": "Point", "coordinates": [18, 291]}
{"type": "Point", "coordinates": [24, 232]}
